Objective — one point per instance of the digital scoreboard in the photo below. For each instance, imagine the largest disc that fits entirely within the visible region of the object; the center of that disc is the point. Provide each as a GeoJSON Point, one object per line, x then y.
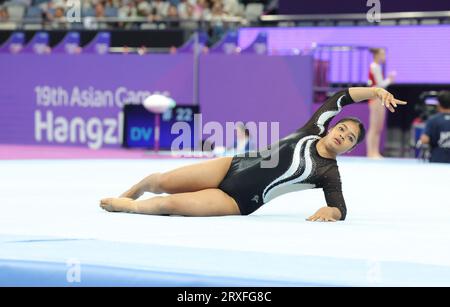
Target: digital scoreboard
{"type": "Point", "coordinates": [139, 126]}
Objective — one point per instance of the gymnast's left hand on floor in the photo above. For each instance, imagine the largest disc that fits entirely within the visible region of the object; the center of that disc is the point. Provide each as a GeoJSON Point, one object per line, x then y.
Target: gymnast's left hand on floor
{"type": "Point", "coordinates": [325, 214]}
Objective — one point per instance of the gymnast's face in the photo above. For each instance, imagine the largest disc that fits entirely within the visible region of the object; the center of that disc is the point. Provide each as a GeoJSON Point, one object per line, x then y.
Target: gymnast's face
{"type": "Point", "coordinates": [381, 56]}
{"type": "Point", "coordinates": [343, 137]}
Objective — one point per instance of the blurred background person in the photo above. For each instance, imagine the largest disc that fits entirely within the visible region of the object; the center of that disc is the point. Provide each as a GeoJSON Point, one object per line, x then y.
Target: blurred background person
{"type": "Point", "coordinates": [99, 10]}
{"type": "Point", "coordinates": [127, 9]}
{"type": "Point", "coordinates": [243, 140]}
{"type": "Point", "coordinates": [53, 14]}
{"type": "Point", "coordinates": [377, 111]}
{"type": "Point", "coordinates": [437, 131]}
{"type": "Point", "coordinates": [242, 143]}
{"type": "Point", "coordinates": [143, 8]}
{"type": "Point", "coordinates": [231, 7]}
{"type": "Point", "coordinates": [201, 10]}
{"type": "Point", "coordinates": [4, 16]}
{"type": "Point", "coordinates": [186, 14]}
{"type": "Point", "coordinates": [98, 21]}
{"type": "Point", "coordinates": [172, 16]}
{"type": "Point", "coordinates": [182, 7]}
{"type": "Point", "coordinates": [160, 9]}
{"type": "Point", "coordinates": [217, 18]}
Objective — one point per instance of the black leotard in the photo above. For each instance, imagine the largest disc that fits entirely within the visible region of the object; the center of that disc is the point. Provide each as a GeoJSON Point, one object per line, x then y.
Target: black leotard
{"type": "Point", "coordinates": [299, 165]}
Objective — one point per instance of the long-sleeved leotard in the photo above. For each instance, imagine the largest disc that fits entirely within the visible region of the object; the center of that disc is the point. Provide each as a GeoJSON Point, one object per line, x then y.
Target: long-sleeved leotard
{"type": "Point", "coordinates": [376, 77]}
{"type": "Point", "coordinates": [251, 183]}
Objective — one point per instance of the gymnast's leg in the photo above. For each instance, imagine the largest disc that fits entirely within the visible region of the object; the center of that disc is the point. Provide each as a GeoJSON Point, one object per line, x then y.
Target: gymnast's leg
{"type": "Point", "coordinates": [190, 178]}
{"type": "Point", "coordinates": [208, 202]}
{"type": "Point", "coordinates": [376, 123]}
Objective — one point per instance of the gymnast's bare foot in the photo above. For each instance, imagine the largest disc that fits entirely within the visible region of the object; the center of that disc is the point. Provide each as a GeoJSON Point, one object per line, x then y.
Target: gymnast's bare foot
{"type": "Point", "coordinates": [148, 184]}
{"type": "Point", "coordinates": [121, 204]}
{"type": "Point", "coordinates": [375, 156]}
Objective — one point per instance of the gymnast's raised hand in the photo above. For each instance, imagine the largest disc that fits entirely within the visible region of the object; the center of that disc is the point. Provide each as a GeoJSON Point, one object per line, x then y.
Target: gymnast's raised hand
{"type": "Point", "coordinates": [387, 99]}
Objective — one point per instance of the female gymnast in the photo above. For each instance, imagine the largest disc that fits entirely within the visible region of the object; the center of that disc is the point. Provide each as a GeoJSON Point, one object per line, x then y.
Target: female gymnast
{"type": "Point", "coordinates": [377, 112]}
{"type": "Point", "coordinates": [239, 185]}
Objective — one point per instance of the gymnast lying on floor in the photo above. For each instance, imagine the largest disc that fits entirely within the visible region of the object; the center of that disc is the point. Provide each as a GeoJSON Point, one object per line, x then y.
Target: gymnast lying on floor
{"type": "Point", "coordinates": [240, 185]}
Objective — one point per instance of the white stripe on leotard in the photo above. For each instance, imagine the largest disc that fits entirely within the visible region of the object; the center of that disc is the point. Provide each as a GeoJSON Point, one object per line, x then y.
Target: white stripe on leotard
{"type": "Point", "coordinates": [273, 190]}
{"type": "Point", "coordinates": [327, 115]}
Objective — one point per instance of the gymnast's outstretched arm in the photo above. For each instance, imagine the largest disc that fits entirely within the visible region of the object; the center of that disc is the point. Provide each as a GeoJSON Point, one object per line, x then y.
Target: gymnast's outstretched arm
{"type": "Point", "coordinates": [386, 98]}
{"type": "Point", "coordinates": [320, 120]}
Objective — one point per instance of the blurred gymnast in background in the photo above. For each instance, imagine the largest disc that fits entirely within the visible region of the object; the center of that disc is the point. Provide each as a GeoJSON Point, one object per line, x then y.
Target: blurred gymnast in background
{"type": "Point", "coordinates": [377, 111]}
